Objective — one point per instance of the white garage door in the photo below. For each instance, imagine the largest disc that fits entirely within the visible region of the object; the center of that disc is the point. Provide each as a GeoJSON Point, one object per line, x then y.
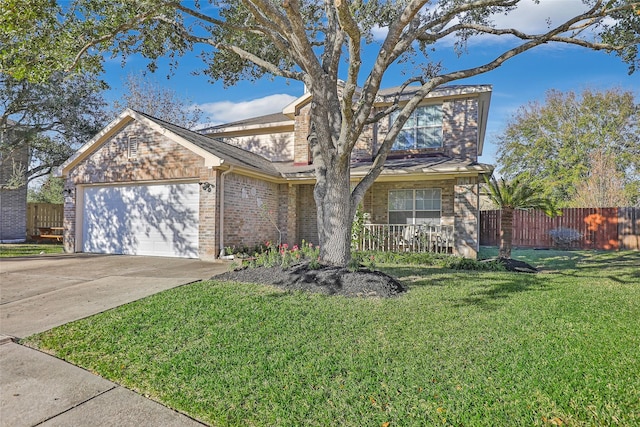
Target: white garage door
{"type": "Point", "coordinates": [158, 220]}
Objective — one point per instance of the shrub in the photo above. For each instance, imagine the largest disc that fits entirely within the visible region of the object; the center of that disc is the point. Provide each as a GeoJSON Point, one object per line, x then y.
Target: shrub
{"type": "Point", "coordinates": [428, 259]}
{"type": "Point", "coordinates": [459, 263]}
{"type": "Point", "coordinates": [285, 257]}
{"type": "Point", "coordinates": [563, 237]}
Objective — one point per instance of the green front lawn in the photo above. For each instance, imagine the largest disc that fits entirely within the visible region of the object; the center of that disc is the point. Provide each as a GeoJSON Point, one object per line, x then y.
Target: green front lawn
{"type": "Point", "coordinates": [460, 348]}
{"type": "Point", "coordinates": [24, 249]}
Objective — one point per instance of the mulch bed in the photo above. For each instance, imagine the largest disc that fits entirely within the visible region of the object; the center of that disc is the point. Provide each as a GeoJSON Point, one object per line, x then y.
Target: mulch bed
{"type": "Point", "coordinates": [326, 280]}
{"type": "Point", "coordinates": [337, 280]}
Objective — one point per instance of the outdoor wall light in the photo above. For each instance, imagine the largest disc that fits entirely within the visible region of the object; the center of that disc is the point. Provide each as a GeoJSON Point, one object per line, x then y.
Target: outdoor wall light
{"type": "Point", "coordinates": [68, 192]}
{"type": "Point", "coordinates": [206, 186]}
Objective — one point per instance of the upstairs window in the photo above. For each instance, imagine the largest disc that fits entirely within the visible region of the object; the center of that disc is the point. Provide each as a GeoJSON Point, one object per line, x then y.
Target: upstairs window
{"type": "Point", "coordinates": [422, 130]}
{"type": "Point", "coordinates": [132, 147]}
{"type": "Point", "coordinates": [421, 206]}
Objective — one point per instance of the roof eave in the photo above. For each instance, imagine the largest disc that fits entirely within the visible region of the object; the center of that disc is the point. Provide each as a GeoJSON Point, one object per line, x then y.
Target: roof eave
{"type": "Point", "coordinates": [292, 109]}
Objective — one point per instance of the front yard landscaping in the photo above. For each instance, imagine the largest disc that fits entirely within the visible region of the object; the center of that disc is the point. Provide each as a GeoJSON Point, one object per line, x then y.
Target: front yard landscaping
{"type": "Point", "coordinates": [461, 348]}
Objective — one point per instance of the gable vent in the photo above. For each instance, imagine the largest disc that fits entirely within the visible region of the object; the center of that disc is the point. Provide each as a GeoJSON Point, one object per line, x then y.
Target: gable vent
{"type": "Point", "coordinates": [133, 147]}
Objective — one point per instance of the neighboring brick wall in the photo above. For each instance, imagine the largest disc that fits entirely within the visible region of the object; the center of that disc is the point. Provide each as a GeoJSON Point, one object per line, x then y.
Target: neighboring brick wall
{"type": "Point", "coordinates": [13, 201]}
{"type": "Point", "coordinates": [13, 214]}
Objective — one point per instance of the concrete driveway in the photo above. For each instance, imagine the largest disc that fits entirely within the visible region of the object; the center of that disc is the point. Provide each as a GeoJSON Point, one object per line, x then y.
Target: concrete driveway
{"type": "Point", "coordinates": [40, 292]}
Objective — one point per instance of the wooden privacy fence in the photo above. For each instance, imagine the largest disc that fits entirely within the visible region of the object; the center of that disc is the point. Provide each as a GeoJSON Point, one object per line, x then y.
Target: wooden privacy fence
{"type": "Point", "coordinates": [43, 215]}
{"type": "Point", "coordinates": [600, 228]}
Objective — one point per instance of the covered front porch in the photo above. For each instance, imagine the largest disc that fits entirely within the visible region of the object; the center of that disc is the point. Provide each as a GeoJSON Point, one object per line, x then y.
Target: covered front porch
{"type": "Point", "coordinates": [405, 238]}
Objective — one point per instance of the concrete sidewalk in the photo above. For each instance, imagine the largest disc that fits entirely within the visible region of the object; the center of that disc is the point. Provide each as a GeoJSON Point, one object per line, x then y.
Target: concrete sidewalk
{"type": "Point", "coordinates": [38, 293]}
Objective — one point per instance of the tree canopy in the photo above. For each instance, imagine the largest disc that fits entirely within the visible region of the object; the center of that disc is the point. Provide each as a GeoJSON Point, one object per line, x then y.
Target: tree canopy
{"type": "Point", "coordinates": [52, 118]}
{"type": "Point", "coordinates": [316, 42]}
{"type": "Point", "coordinates": [552, 144]}
{"type": "Point", "coordinates": [146, 95]}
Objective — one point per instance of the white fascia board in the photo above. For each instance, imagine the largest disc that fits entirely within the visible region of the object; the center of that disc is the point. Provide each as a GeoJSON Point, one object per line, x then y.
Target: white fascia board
{"type": "Point", "coordinates": [291, 109]}
{"type": "Point", "coordinates": [438, 93]}
{"type": "Point", "coordinates": [473, 169]}
{"type": "Point", "coordinates": [484, 102]}
{"type": "Point", "coordinates": [263, 128]}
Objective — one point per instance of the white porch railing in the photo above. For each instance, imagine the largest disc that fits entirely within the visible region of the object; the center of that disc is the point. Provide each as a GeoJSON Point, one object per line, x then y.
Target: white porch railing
{"type": "Point", "coordinates": [406, 238]}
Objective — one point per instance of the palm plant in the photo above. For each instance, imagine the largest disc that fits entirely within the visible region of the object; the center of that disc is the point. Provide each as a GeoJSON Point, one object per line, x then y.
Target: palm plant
{"type": "Point", "coordinates": [509, 196]}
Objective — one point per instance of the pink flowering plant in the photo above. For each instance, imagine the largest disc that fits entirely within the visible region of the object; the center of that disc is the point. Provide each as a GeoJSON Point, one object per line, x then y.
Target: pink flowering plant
{"type": "Point", "coordinates": [285, 256]}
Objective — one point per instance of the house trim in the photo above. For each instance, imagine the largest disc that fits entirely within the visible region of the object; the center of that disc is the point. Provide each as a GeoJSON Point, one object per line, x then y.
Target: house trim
{"type": "Point", "coordinates": [264, 129]}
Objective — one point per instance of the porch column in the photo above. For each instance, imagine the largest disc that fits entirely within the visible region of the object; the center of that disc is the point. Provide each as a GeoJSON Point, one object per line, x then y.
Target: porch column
{"type": "Point", "coordinates": [466, 214]}
{"type": "Point", "coordinates": [208, 218]}
{"type": "Point", "coordinates": [290, 234]}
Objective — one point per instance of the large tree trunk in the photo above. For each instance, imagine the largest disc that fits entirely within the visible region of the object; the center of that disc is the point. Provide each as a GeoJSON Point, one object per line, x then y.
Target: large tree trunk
{"type": "Point", "coordinates": [329, 142]}
{"type": "Point", "coordinates": [506, 233]}
{"type": "Point", "coordinates": [335, 217]}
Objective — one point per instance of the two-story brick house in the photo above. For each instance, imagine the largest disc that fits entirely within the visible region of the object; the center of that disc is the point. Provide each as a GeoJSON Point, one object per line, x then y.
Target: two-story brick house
{"type": "Point", "coordinates": [145, 186]}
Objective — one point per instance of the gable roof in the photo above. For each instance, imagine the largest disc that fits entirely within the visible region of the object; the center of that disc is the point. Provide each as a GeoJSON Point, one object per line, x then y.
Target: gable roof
{"type": "Point", "coordinates": [214, 152]}
{"type": "Point", "coordinates": [226, 152]}
{"type": "Point", "coordinates": [217, 153]}
{"type": "Point", "coordinates": [388, 96]}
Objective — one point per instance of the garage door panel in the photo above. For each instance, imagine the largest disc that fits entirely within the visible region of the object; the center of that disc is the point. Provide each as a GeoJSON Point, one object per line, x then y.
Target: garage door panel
{"type": "Point", "coordinates": [160, 220]}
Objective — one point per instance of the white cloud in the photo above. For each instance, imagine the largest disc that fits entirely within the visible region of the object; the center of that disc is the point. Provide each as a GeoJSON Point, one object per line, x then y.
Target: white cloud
{"type": "Point", "coordinates": [230, 111]}
{"type": "Point", "coordinates": [379, 33]}
{"type": "Point", "coordinates": [531, 17]}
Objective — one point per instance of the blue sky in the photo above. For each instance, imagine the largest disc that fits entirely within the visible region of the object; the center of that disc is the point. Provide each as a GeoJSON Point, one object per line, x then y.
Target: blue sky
{"type": "Point", "coordinates": [522, 79]}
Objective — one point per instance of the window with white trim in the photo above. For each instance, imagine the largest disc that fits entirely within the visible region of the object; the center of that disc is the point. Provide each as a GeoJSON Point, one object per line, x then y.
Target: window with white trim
{"type": "Point", "coordinates": [421, 206]}
{"type": "Point", "coordinates": [423, 129]}
{"type": "Point", "coordinates": [132, 147]}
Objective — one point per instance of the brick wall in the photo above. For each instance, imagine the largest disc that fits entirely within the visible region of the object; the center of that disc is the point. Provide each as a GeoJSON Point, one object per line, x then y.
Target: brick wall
{"type": "Point", "coordinates": [251, 211]}
{"type": "Point", "coordinates": [13, 201]}
{"type": "Point", "coordinates": [459, 207]}
{"type": "Point", "coordinates": [466, 217]}
{"type": "Point", "coordinates": [159, 158]}
{"type": "Point", "coordinates": [277, 146]}
{"type": "Point", "coordinates": [376, 200]}
{"type": "Point", "coordinates": [302, 127]}
{"type": "Point", "coordinates": [307, 221]}
{"type": "Point", "coordinates": [459, 128]}
{"type": "Point", "coordinates": [208, 238]}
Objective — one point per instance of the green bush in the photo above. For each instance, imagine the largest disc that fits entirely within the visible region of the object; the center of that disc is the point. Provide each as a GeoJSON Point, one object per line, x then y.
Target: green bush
{"type": "Point", "coordinates": [427, 259]}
